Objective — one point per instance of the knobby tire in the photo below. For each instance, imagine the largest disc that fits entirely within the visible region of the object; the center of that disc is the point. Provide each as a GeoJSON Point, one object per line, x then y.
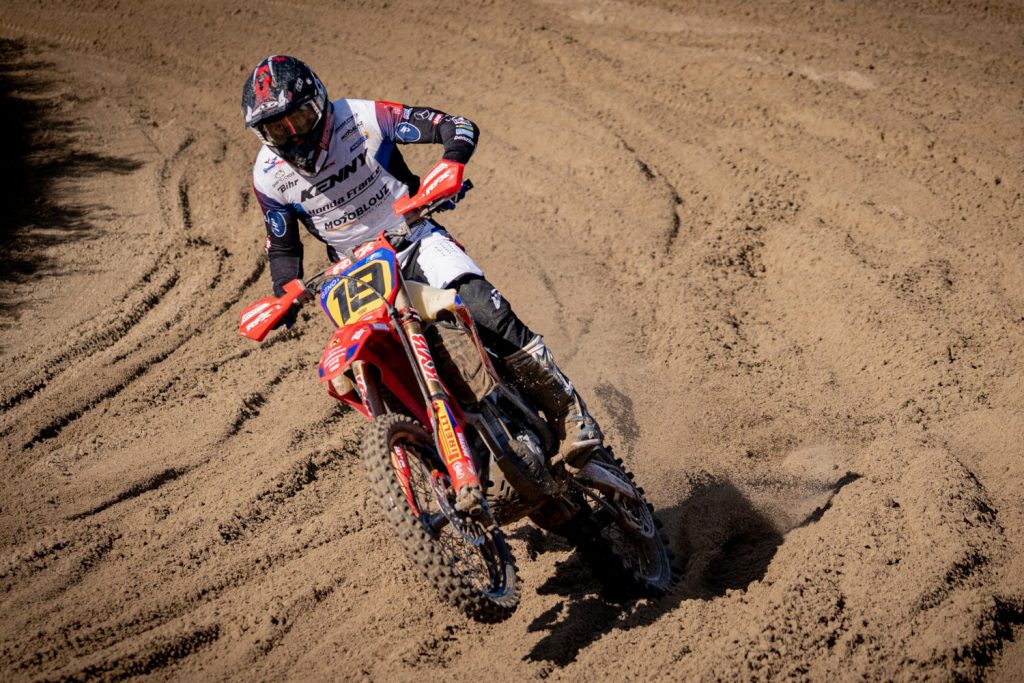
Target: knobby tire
{"type": "Point", "coordinates": [626, 562]}
{"type": "Point", "coordinates": [488, 595]}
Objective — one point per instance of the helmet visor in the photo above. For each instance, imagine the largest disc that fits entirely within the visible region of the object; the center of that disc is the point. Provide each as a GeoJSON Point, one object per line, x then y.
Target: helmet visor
{"type": "Point", "coordinates": [291, 127]}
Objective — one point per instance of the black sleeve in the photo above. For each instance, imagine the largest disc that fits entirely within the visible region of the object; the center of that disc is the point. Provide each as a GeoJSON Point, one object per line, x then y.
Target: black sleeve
{"type": "Point", "coordinates": [284, 249]}
{"type": "Point", "coordinates": [422, 124]}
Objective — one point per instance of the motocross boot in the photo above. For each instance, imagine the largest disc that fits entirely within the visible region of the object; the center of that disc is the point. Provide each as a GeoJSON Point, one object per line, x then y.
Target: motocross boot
{"type": "Point", "coordinates": [547, 387]}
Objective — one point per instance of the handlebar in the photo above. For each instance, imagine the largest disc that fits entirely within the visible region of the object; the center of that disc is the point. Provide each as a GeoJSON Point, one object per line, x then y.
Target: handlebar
{"type": "Point", "coordinates": [447, 203]}
{"type": "Point", "coordinates": [256, 320]}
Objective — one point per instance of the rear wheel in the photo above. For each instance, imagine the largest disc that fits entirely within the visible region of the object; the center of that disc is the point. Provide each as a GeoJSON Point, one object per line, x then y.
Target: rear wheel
{"type": "Point", "coordinates": [617, 533]}
{"type": "Point", "coordinates": [466, 558]}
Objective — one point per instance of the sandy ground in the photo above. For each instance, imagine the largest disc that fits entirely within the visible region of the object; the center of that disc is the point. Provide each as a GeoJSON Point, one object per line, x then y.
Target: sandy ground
{"type": "Point", "coordinates": [779, 246]}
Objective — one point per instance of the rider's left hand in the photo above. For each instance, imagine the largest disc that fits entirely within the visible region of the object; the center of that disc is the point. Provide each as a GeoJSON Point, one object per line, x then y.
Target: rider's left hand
{"type": "Point", "coordinates": [455, 198]}
{"type": "Point", "coordinates": [444, 179]}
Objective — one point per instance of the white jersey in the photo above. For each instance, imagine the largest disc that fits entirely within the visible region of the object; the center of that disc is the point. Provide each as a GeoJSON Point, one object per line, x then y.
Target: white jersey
{"type": "Point", "coordinates": [348, 200]}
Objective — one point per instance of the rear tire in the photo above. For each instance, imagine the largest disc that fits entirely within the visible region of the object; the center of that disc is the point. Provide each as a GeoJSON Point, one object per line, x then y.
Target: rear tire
{"type": "Point", "coordinates": [620, 539]}
{"type": "Point", "coordinates": [467, 560]}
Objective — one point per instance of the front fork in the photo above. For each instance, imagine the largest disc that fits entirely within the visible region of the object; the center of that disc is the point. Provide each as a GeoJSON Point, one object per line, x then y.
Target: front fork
{"type": "Point", "coordinates": [448, 434]}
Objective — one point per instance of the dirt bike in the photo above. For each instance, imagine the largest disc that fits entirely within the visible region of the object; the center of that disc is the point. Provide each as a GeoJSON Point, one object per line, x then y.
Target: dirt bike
{"type": "Point", "coordinates": [445, 420]}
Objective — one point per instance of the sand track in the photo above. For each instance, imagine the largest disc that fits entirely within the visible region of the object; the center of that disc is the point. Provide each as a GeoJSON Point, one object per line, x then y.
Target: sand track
{"type": "Point", "coordinates": [778, 245]}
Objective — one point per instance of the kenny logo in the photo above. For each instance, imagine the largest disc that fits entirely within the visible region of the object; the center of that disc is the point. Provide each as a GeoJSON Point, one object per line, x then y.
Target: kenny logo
{"type": "Point", "coordinates": [332, 180]}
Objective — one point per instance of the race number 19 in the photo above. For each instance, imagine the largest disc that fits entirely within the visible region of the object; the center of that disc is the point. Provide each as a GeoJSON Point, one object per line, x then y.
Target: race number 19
{"type": "Point", "coordinates": [356, 299]}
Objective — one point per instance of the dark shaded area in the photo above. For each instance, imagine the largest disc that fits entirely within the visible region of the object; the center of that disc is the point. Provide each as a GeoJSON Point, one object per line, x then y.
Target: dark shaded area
{"type": "Point", "coordinates": [150, 484]}
{"type": "Point", "coordinates": [720, 542]}
{"type": "Point", "coordinates": [995, 627]}
{"type": "Point", "coordinates": [40, 135]}
{"type": "Point", "coordinates": [729, 544]}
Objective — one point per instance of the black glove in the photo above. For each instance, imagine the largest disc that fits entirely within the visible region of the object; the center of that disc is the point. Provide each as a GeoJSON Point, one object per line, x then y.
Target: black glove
{"type": "Point", "coordinates": [288, 319]}
{"type": "Point", "coordinates": [455, 198]}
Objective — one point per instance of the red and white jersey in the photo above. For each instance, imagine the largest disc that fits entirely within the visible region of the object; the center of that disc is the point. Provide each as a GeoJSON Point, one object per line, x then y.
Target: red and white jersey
{"type": "Point", "coordinates": [349, 199]}
{"type": "Point", "coordinates": [360, 174]}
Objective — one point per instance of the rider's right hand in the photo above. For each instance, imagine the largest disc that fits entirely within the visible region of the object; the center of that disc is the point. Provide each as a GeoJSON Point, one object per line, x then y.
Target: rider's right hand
{"type": "Point", "coordinates": [288, 319]}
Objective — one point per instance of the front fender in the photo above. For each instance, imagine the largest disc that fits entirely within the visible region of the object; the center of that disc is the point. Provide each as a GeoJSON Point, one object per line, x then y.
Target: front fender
{"type": "Point", "coordinates": [344, 347]}
{"type": "Point", "coordinates": [377, 345]}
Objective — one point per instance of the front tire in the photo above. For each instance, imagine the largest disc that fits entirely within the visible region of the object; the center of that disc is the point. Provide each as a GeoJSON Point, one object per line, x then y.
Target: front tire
{"type": "Point", "coordinates": [466, 559]}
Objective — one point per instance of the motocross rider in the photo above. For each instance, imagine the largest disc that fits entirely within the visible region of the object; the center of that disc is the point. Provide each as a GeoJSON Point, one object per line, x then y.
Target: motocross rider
{"type": "Point", "coordinates": [334, 169]}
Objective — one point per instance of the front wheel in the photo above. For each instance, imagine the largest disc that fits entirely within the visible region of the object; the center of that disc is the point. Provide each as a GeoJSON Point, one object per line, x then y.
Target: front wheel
{"type": "Point", "coordinates": [616, 531]}
{"type": "Point", "coordinates": [465, 558]}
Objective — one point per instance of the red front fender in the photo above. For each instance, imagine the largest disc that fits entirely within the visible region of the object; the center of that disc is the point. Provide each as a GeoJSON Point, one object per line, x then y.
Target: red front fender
{"type": "Point", "coordinates": [344, 345]}
{"type": "Point", "coordinates": [377, 345]}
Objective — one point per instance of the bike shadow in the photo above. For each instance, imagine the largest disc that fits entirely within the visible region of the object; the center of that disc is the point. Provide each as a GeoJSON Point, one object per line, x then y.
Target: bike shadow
{"type": "Point", "coordinates": [720, 542]}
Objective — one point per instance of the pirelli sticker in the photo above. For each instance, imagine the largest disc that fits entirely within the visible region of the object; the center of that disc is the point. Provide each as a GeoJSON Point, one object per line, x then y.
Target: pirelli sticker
{"type": "Point", "coordinates": [450, 443]}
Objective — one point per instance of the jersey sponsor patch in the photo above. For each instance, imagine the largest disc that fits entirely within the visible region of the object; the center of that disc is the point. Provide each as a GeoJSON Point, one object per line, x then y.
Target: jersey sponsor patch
{"type": "Point", "coordinates": [406, 132]}
{"type": "Point", "coordinates": [274, 163]}
{"type": "Point", "coordinates": [277, 223]}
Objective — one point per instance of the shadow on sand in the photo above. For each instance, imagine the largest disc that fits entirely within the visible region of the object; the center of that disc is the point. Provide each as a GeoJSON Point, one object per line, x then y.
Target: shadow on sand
{"type": "Point", "coordinates": [720, 542]}
{"type": "Point", "coordinates": [42, 144]}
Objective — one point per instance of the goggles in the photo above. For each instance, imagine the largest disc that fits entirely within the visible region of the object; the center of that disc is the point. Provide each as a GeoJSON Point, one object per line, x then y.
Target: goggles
{"type": "Point", "coordinates": [292, 126]}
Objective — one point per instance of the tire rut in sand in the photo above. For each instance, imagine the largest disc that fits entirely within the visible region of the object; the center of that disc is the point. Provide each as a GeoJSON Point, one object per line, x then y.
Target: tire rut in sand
{"type": "Point", "coordinates": [138, 370]}
{"type": "Point", "coordinates": [153, 288]}
{"type": "Point", "coordinates": [306, 472]}
{"type": "Point", "coordinates": [676, 201]}
{"type": "Point", "coordinates": [145, 486]}
{"type": "Point", "coordinates": [147, 658]}
{"type": "Point", "coordinates": [253, 402]}
{"type": "Point", "coordinates": [210, 571]}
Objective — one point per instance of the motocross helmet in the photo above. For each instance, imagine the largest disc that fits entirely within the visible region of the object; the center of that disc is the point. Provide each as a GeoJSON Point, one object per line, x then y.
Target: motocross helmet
{"type": "Point", "coordinates": [286, 105]}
